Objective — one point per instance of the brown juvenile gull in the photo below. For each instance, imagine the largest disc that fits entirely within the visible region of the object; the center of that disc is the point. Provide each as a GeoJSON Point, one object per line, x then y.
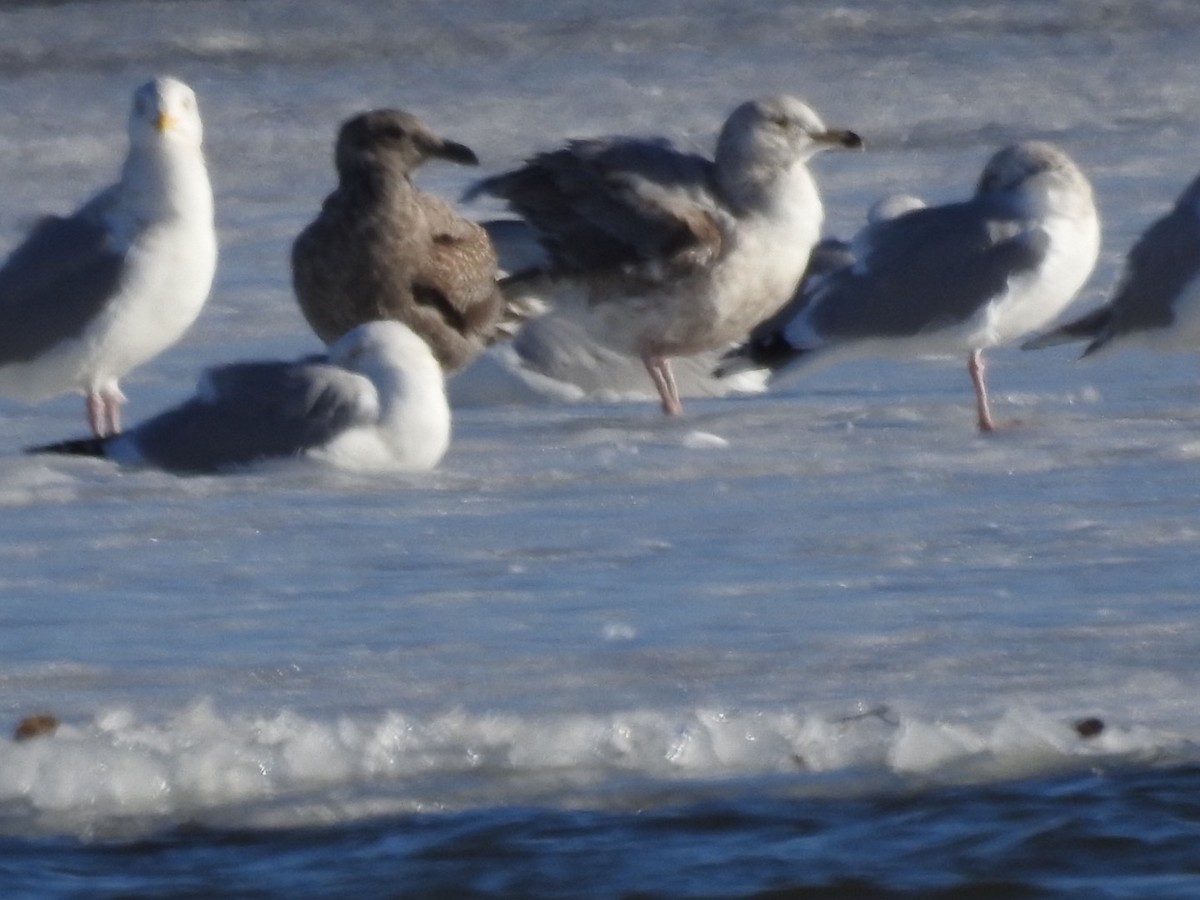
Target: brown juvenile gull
{"type": "Point", "coordinates": [663, 253]}
{"type": "Point", "coordinates": [955, 278]}
{"type": "Point", "coordinates": [381, 249]}
{"type": "Point", "coordinates": [1157, 300]}
{"type": "Point", "coordinates": [88, 297]}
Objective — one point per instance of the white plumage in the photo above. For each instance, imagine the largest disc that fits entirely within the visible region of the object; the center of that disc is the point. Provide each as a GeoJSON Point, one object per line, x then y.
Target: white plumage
{"type": "Point", "coordinates": [956, 278]}
{"type": "Point", "coordinates": [377, 402]}
{"type": "Point", "coordinates": [89, 297]}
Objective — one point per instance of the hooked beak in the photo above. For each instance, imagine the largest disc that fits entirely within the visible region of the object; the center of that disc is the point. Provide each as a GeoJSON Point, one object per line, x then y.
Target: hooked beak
{"type": "Point", "coordinates": [840, 137]}
{"type": "Point", "coordinates": [163, 122]}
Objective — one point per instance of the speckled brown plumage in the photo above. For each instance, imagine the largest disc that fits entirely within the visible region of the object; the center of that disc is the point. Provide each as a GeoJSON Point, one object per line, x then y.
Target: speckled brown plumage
{"type": "Point", "coordinates": [381, 249]}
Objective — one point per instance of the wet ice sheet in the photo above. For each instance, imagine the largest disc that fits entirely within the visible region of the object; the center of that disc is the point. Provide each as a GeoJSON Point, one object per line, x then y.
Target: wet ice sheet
{"type": "Point", "coordinates": [584, 594]}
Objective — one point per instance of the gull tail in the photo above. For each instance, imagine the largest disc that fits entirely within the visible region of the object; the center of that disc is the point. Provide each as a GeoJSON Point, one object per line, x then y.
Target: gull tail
{"type": "Point", "coordinates": [1089, 327]}
{"type": "Point", "coordinates": [92, 446]}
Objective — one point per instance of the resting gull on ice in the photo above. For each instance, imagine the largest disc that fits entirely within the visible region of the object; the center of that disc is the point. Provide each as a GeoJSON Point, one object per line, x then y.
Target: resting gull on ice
{"type": "Point", "coordinates": [381, 249]}
{"type": "Point", "coordinates": [378, 402]}
{"type": "Point", "coordinates": [1157, 299]}
{"type": "Point", "coordinates": [956, 278]}
{"type": "Point", "coordinates": [88, 297]}
{"type": "Point", "coordinates": [663, 253]}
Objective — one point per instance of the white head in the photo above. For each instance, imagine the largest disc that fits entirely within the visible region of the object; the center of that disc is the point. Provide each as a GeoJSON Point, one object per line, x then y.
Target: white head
{"type": "Point", "coordinates": [414, 419]}
{"type": "Point", "coordinates": [165, 109]}
{"type": "Point", "coordinates": [766, 142]}
{"type": "Point", "coordinates": [1039, 178]}
{"type": "Point", "coordinates": [777, 131]}
{"type": "Point", "coordinates": [385, 346]}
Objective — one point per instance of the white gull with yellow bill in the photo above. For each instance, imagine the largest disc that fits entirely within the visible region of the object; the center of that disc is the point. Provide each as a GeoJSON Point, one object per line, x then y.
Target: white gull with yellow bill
{"type": "Point", "coordinates": [88, 297]}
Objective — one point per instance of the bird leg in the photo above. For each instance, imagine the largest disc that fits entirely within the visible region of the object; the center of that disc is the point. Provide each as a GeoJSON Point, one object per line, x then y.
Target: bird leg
{"type": "Point", "coordinates": [113, 398]}
{"type": "Point", "coordinates": [664, 381]}
{"type": "Point", "coordinates": [975, 368]}
{"type": "Point", "coordinates": [95, 413]}
{"type": "Point", "coordinates": [104, 411]}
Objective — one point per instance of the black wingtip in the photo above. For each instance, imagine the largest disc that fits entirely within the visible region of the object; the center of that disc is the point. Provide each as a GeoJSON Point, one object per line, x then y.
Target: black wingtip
{"type": "Point", "coordinates": [1093, 327]}
{"type": "Point", "coordinates": [479, 189]}
{"type": "Point", "coordinates": [92, 446]}
{"type": "Point", "coordinates": [1095, 346]}
{"type": "Point", "coordinates": [736, 361]}
{"type": "Point", "coordinates": [767, 353]}
{"type": "Point", "coordinates": [522, 277]}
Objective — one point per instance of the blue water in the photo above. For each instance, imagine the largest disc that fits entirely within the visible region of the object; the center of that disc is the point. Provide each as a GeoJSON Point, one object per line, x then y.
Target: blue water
{"type": "Point", "coordinates": [824, 641]}
{"type": "Point", "coordinates": [1115, 833]}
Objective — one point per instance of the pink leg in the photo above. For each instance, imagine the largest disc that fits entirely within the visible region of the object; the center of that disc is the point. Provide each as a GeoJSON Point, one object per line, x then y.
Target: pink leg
{"type": "Point", "coordinates": [113, 398]}
{"type": "Point", "coordinates": [96, 413]}
{"type": "Point", "coordinates": [664, 381]}
{"type": "Point", "coordinates": [113, 411]}
{"type": "Point", "coordinates": [975, 368]}
{"type": "Point", "coordinates": [104, 411]}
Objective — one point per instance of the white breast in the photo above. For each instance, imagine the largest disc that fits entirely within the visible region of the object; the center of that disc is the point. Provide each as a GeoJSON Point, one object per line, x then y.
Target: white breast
{"type": "Point", "coordinates": [1037, 298]}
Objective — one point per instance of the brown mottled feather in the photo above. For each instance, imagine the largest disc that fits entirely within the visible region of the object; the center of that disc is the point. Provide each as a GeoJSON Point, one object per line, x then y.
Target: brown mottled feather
{"type": "Point", "coordinates": [382, 249]}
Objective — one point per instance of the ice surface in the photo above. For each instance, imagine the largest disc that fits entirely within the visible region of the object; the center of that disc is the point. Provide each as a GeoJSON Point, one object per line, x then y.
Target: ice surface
{"type": "Point", "coordinates": [834, 585]}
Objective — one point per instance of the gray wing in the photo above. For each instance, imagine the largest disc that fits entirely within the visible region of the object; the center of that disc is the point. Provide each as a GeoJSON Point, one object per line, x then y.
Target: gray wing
{"type": "Point", "coordinates": [925, 270]}
{"type": "Point", "coordinates": [1160, 266]}
{"type": "Point", "coordinates": [767, 346]}
{"type": "Point", "coordinates": [247, 412]}
{"type": "Point", "coordinates": [829, 256]}
{"type": "Point", "coordinates": [517, 246]}
{"type": "Point", "coordinates": [616, 204]}
{"type": "Point", "coordinates": [54, 284]}
{"type": "Point", "coordinates": [1086, 327]}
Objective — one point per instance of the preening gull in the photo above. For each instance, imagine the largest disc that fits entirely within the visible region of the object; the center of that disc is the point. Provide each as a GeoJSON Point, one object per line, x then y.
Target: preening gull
{"type": "Point", "coordinates": [378, 402]}
{"type": "Point", "coordinates": [86, 298]}
{"type": "Point", "coordinates": [663, 253]}
{"type": "Point", "coordinates": [1157, 299]}
{"type": "Point", "coordinates": [381, 249]}
{"type": "Point", "coordinates": [956, 278]}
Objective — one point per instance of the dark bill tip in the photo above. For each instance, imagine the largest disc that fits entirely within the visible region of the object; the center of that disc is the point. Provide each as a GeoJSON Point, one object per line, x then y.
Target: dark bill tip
{"type": "Point", "coordinates": [455, 152]}
{"type": "Point", "coordinates": [848, 139]}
